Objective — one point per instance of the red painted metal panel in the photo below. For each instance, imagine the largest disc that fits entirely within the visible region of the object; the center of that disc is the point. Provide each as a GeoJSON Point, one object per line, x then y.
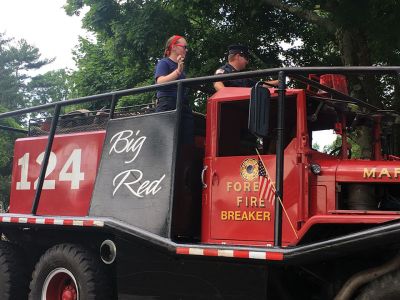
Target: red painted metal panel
{"type": "Point", "coordinates": [236, 211]}
{"type": "Point", "coordinates": [182, 250]}
{"type": "Point", "coordinates": [274, 256]}
{"type": "Point", "coordinates": [236, 215]}
{"type": "Point", "coordinates": [309, 199]}
{"type": "Point", "coordinates": [69, 185]}
{"type": "Point", "coordinates": [232, 211]}
{"type": "Point", "coordinates": [241, 254]}
{"type": "Point", "coordinates": [211, 252]}
{"type": "Point", "coordinates": [368, 171]}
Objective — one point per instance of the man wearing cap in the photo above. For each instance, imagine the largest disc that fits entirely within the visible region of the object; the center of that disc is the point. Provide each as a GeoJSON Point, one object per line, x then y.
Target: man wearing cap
{"type": "Point", "coordinates": [238, 59]}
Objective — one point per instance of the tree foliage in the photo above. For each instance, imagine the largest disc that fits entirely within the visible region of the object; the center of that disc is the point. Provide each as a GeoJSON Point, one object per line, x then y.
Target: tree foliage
{"type": "Point", "coordinates": [19, 89]}
{"type": "Point", "coordinates": [16, 60]}
{"type": "Point", "coordinates": [358, 32]}
{"type": "Point", "coordinates": [130, 37]}
{"type": "Point", "coordinates": [49, 87]}
{"type": "Point", "coordinates": [335, 147]}
{"type": "Point", "coordinates": [361, 34]}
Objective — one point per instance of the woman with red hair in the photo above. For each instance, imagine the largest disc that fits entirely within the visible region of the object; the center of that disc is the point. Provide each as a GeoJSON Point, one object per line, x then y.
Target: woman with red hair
{"type": "Point", "coordinates": [168, 69]}
{"type": "Point", "coordinates": [171, 68]}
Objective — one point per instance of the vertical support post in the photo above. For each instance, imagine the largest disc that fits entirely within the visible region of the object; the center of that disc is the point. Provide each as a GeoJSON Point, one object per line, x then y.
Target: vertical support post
{"type": "Point", "coordinates": [179, 104]}
{"type": "Point", "coordinates": [179, 96]}
{"type": "Point", "coordinates": [345, 145]}
{"type": "Point", "coordinates": [176, 148]}
{"type": "Point", "coordinates": [112, 107]}
{"type": "Point", "coordinates": [46, 159]}
{"type": "Point", "coordinates": [279, 159]}
{"type": "Point", "coordinates": [393, 142]}
{"type": "Point", "coordinates": [377, 147]}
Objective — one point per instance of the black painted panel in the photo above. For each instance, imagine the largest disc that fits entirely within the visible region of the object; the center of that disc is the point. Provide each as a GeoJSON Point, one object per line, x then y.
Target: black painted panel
{"type": "Point", "coordinates": [134, 178]}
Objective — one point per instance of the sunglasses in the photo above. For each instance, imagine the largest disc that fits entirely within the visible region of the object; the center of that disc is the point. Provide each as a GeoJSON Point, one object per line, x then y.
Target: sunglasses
{"type": "Point", "coordinates": [183, 46]}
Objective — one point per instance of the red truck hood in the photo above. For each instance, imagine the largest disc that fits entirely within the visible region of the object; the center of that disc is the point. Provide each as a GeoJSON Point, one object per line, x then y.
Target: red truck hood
{"type": "Point", "coordinates": [368, 171]}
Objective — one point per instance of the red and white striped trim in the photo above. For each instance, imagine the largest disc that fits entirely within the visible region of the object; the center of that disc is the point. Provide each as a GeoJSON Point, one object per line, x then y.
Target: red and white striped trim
{"type": "Point", "coordinates": [52, 221]}
{"type": "Point", "coordinates": [230, 253]}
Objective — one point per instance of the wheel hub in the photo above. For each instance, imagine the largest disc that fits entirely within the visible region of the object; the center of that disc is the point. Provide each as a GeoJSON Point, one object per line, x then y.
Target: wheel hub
{"type": "Point", "coordinates": [60, 284]}
{"type": "Point", "coordinates": [69, 293]}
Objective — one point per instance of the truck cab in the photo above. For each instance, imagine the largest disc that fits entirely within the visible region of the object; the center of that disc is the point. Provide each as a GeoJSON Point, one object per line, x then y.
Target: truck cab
{"type": "Point", "coordinates": [233, 212]}
{"type": "Point", "coordinates": [318, 188]}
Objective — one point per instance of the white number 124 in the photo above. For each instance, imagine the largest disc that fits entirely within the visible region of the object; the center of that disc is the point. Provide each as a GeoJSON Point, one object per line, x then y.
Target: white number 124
{"type": "Point", "coordinates": [73, 164]}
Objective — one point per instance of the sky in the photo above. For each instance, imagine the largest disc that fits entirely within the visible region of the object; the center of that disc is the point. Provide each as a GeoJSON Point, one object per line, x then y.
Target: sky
{"type": "Point", "coordinates": [45, 25]}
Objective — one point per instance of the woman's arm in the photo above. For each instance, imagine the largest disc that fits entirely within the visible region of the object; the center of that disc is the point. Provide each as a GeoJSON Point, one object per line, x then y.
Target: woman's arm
{"type": "Point", "coordinates": [174, 75]}
{"type": "Point", "coordinates": [170, 77]}
{"type": "Point", "coordinates": [218, 85]}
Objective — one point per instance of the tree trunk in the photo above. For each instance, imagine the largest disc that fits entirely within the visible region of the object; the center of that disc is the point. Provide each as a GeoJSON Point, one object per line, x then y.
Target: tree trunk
{"type": "Point", "coordinates": [355, 52]}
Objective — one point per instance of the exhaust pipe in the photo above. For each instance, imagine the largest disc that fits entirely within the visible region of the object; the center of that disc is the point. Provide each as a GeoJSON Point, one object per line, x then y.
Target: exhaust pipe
{"type": "Point", "coordinates": [108, 252]}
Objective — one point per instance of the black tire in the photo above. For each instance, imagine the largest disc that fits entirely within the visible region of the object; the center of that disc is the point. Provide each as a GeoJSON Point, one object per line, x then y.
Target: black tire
{"type": "Point", "coordinates": [13, 273]}
{"type": "Point", "coordinates": [70, 267]}
{"type": "Point", "coordinates": [386, 287]}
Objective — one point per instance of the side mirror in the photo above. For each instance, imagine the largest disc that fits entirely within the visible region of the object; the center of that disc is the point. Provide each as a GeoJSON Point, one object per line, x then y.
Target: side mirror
{"type": "Point", "coordinates": [259, 110]}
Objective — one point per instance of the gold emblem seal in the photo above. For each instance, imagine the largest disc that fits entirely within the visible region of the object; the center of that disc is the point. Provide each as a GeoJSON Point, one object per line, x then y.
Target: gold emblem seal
{"type": "Point", "coordinates": [249, 169]}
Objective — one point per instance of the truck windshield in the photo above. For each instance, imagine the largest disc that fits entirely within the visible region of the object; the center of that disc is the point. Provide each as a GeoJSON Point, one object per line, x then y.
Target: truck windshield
{"type": "Point", "coordinates": [234, 137]}
{"type": "Point", "coordinates": [324, 117]}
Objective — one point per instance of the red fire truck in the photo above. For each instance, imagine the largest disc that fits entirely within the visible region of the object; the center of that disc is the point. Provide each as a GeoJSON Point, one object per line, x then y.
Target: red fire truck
{"type": "Point", "coordinates": [111, 204]}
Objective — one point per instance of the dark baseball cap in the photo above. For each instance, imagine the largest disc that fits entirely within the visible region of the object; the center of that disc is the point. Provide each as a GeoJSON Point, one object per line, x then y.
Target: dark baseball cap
{"type": "Point", "coordinates": [235, 49]}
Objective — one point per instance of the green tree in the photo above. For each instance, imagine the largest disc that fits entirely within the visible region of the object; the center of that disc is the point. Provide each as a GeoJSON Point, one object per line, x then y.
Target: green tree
{"type": "Point", "coordinates": [361, 33]}
{"type": "Point", "coordinates": [335, 147]}
{"type": "Point", "coordinates": [49, 87]}
{"type": "Point", "coordinates": [6, 149]}
{"type": "Point", "coordinates": [316, 146]}
{"type": "Point", "coordinates": [19, 89]}
{"type": "Point", "coordinates": [130, 36]}
{"type": "Point", "coordinates": [16, 60]}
